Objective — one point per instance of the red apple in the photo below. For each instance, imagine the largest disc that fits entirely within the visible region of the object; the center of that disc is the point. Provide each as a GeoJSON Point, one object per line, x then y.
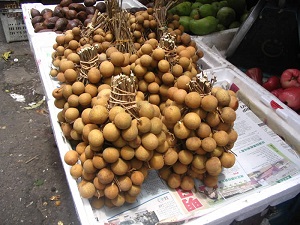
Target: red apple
{"type": "Point", "coordinates": [272, 83]}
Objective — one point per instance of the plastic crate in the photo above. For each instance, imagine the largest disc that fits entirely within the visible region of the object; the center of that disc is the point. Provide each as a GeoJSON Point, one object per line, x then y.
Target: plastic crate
{"type": "Point", "coordinates": [13, 25]}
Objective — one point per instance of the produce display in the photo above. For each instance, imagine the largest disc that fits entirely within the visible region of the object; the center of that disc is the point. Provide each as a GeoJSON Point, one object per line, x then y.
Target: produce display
{"type": "Point", "coordinates": [285, 87]}
{"type": "Point", "coordinates": [203, 17]}
{"type": "Point", "coordinates": [66, 15]}
{"type": "Point", "coordinates": [132, 99]}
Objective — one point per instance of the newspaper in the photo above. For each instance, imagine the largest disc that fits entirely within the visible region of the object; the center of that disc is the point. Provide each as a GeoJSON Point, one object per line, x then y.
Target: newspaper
{"type": "Point", "coordinates": [263, 159]}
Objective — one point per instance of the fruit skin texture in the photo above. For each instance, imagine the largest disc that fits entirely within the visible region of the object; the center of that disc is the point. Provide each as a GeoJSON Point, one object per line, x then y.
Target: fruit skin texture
{"type": "Point", "coordinates": [255, 74]}
{"type": "Point", "coordinates": [277, 92]}
{"type": "Point", "coordinates": [291, 96]}
{"type": "Point", "coordinates": [272, 83]}
{"type": "Point", "coordinates": [203, 26]}
{"type": "Point", "coordinates": [290, 78]}
{"type": "Point", "coordinates": [226, 16]}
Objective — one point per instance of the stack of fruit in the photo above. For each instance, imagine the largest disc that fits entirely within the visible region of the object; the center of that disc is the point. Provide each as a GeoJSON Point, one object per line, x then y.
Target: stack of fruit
{"type": "Point", "coordinates": [130, 103]}
{"type": "Point", "coordinates": [207, 16]}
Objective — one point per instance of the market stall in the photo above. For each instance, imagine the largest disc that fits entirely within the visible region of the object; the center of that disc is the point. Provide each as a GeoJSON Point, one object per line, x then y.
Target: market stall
{"type": "Point", "coordinates": [266, 171]}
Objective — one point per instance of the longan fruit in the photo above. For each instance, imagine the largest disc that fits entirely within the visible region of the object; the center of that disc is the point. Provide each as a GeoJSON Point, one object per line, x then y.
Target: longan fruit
{"type": "Point", "coordinates": [120, 167]}
{"type": "Point", "coordinates": [127, 152]}
{"type": "Point", "coordinates": [105, 176]}
{"type": "Point", "coordinates": [149, 141]}
{"type": "Point", "coordinates": [158, 54]}
{"type": "Point", "coordinates": [233, 135]}
{"type": "Point", "coordinates": [212, 119]}
{"type": "Point", "coordinates": [179, 168]}
{"type": "Point", "coordinates": [193, 143]}
{"type": "Point", "coordinates": [122, 120]}
{"type": "Point", "coordinates": [144, 124]}
{"type": "Point", "coordinates": [76, 170]}
{"type": "Point", "coordinates": [71, 114]}
{"type": "Point", "coordinates": [181, 131]}
{"type": "Point", "coordinates": [137, 177]}
{"type": "Point", "coordinates": [204, 130]}
{"type": "Point", "coordinates": [86, 189]}
{"type": "Point", "coordinates": [223, 97]}
{"type": "Point", "coordinates": [135, 190]}
{"type": "Point", "coordinates": [208, 144]}
{"type": "Point", "coordinates": [199, 161]}
{"type": "Point", "coordinates": [146, 49]}
{"type": "Point", "coordinates": [71, 157]}
{"type": "Point", "coordinates": [228, 114]}
{"type": "Point", "coordinates": [187, 183]}
{"type": "Point", "coordinates": [163, 66]}
{"type": "Point", "coordinates": [210, 181]}
{"type": "Point", "coordinates": [117, 58]}
{"type": "Point", "coordinates": [209, 103]}
{"type": "Point", "coordinates": [110, 154]}
{"type": "Point", "coordinates": [193, 100]}
{"type": "Point", "coordinates": [111, 191]}
{"type": "Point", "coordinates": [142, 154]}
{"type": "Point", "coordinates": [95, 137]}
{"type": "Point", "coordinates": [98, 162]}
{"type": "Point", "coordinates": [185, 156]}
{"type": "Point", "coordinates": [157, 161]}
{"type": "Point", "coordinates": [192, 120]}
{"type": "Point", "coordinates": [97, 203]}
{"type": "Point", "coordinates": [227, 159]}
{"type": "Point", "coordinates": [174, 180]}
{"type": "Point", "coordinates": [119, 200]}
{"type": "Point", "coordinates": [221, 137]}
{"type": "Point", "coordinates": [213, 166]}
{"type": "Point", "coordinates": [114, 111]}
{"type": "Point", "coordinates": [179, 96]}
{"type": "Point", "coordinates": [170, 157]}
{"type": "Point", "coordinates": [85, 99]}
{"type": "Point", "coordinates": [111, 132]}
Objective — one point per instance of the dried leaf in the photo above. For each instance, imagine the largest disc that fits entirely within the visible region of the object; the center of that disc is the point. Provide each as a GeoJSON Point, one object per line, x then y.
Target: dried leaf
{"type": "Point", "coordinates": [39, 182]}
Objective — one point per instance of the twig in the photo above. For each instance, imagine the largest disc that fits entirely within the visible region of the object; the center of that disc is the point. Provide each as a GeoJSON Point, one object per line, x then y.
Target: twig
{"type": "Point", "coordinates": [29, 160]}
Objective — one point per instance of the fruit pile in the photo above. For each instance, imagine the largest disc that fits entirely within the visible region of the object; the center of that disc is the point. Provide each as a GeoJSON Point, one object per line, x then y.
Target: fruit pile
{"type": "Point", "coordinates": [285, 87]}
{"type": "Point", "coordinates": [133, 98]}
{"type": "Point", "coordinates": [203, 17]}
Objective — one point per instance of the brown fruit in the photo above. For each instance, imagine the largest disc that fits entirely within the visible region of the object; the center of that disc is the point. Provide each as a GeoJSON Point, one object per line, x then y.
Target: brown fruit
{"type": "Point", "coordinates": [227, 159]}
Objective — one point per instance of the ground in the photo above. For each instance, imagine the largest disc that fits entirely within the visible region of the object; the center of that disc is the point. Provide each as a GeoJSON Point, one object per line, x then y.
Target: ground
{"type": "Point", "coordinates": [33, 182]}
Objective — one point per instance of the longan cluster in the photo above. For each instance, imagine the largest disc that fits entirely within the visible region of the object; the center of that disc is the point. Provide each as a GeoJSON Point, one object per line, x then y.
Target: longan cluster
{"type": "Point", "coordinates": [115, 149]}
{"type": "Point", "coordinates": [203, 126]}
{"type": "Point", "coordinates": [175, 129]}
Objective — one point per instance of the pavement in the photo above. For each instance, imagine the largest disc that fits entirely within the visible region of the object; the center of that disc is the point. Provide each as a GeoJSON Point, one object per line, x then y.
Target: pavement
{"type": "Point", "coordinates": [34, 189]}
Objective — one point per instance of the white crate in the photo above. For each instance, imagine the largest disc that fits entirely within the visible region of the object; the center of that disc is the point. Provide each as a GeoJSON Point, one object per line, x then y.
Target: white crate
{"type": "Point", "coordinates": [228, 76]}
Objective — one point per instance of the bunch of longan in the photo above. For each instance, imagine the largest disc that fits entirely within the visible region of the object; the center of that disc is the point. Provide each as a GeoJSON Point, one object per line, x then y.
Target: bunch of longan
{"type": "Point", "coordinates": [203, 125]}
{"type": "Point", "coordinates": [116, 148]}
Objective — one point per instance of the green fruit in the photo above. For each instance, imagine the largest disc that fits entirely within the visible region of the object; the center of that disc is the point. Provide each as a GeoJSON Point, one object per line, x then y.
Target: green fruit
{"type": "Point", "coordinates": [195, 14]}
{"type": "Point", "coordinates": [234, 24]}
{"type": "Point", "coordinates": [226, 16]}
{"type": "Point", "coordinates": [244, 17]}
{"type": "Point", "coordinates": [203, 26]}
{"type": "Point", "coordinates": [205, 1]}
{"type": "Point", "coordinates": [223, 3]}
{"type": "Point", "coordinates": [220, 27]}
{"type": "Point", "coordinates": [185, 22]}
{"type": "Point", "coordinates": [207, 10]}
{"type": "Point", "coordinates": [216, 6]}
{"type": "Point", "coordinates": [239, 6]}
{"type": "Point", "coordinates": [183, 9]}
{"type": "Point", "coordinates": [196, 5]}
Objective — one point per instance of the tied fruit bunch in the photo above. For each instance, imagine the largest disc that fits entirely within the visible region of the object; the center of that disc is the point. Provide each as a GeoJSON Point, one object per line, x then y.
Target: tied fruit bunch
{"type": "Point", "coordinates": [285, 87]}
